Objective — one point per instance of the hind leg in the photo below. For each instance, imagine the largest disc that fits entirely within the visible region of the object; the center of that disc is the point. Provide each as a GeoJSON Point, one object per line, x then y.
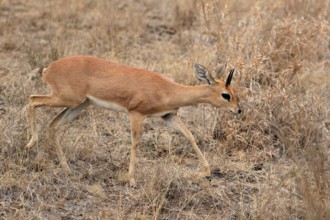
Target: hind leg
{"type": "Point", "coordinates": [65, 116]}
{"type": "Point", "coordinates": [37, 101]}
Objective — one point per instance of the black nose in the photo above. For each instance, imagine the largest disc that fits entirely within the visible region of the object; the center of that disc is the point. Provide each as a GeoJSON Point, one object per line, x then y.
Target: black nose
{"type": "Point", "coordinates": [239, 111]}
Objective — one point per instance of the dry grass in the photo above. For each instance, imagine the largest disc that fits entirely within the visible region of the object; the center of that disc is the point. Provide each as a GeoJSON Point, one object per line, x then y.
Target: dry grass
{"type": "Point", "coordinates": [273, 161]}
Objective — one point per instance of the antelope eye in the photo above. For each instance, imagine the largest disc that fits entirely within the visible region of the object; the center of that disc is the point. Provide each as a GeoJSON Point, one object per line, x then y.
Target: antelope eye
{"type": "Point", "coordinates": [226, 96]}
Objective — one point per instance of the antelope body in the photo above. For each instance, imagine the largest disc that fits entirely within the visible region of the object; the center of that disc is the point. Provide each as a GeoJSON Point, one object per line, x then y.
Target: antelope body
{"type": "Point", "coordinates": [78, 81]}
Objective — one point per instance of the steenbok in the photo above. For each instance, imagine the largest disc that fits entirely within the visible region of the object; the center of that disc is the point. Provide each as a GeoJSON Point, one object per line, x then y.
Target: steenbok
{"type": "Point", "coordinates": [79, 81]}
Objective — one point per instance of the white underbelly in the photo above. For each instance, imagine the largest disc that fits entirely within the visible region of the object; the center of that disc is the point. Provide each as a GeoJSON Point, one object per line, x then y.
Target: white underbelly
{"type": "Point", "coordinates": [107, 104]}
{"type": "Point", "coordinates": [118, 108]}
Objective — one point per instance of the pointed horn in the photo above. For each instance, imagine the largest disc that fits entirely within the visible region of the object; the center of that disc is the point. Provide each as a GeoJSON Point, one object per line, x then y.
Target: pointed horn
{"type": "Point", "coordinates": [230, 76]}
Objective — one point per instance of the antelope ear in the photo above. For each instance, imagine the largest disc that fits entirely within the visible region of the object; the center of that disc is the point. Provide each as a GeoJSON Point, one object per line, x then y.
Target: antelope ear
{"type": "Point", "coordinates": [230, 76]}
{"type": "Point", "coordinates": [202, 74]}
{"type": "Point", "coordinates": [220, 71]}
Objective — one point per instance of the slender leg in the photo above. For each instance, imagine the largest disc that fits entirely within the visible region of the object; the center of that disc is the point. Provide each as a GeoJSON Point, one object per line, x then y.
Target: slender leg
{"type": "Point", "coordinates": [136, 120]}
{"type": "Point", "coordinates": [37, 101]}
{"type": "Point", "coordinates": [65, 116]}
{"type": "Point", "coordinates": [175, 122]}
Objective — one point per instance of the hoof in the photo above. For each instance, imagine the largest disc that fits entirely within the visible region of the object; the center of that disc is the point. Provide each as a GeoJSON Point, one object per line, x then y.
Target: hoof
{"type": "Point", "coordinates": [124, 177]}
{"type": "Point", "coordinates": [132, 182]}
{"type": "Point", "coordinates": [68, 172]}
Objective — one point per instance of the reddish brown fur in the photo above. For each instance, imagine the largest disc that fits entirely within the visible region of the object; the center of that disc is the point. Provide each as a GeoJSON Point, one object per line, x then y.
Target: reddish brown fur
{"type": "Point", "coordinates": [80, 80]}
{"type": "Point", "coordinates": [74, 78]}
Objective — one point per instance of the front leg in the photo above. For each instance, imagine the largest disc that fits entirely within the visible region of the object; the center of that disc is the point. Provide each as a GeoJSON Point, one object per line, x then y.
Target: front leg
{"type": "Point", "coordinates": [136, 120]}
{"type": "Point", "coordinates": [175, 122]}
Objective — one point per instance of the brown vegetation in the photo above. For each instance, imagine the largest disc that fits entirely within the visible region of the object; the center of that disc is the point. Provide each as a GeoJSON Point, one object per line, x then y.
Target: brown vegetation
{"type": "Point", "coordinates": [270, 163]}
